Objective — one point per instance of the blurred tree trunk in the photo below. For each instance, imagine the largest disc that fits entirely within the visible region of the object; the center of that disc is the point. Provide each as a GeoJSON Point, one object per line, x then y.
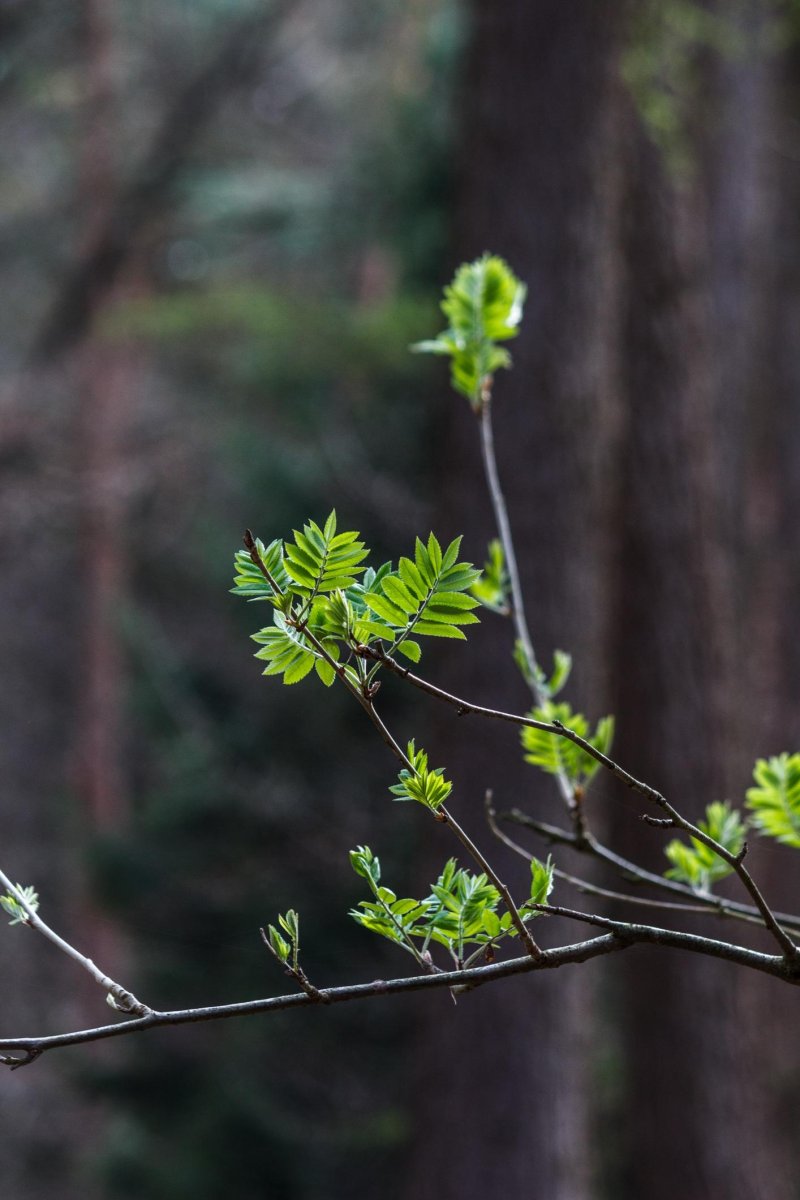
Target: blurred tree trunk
{"type": "Point", "coordinates": [697, 249]}
{"type": "Point", "coordinates": [105, 375]}
{"type": "Point", "coordinates": [772, 565]}
{"type": "Point", "coordinates": [624, 438]}
{"type": "Point", "coordinates": [104, 380]}
{"type": "Point", "coordinates": [509, 1077]}
{"type": "Point", "coordinates": [693, 1051]}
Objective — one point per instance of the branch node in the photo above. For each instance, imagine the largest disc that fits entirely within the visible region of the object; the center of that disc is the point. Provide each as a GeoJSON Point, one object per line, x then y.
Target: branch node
{"type": "Point", "coordinates": [659, 822]}
{"type": "Point", "coordinates": [121, 1000]}
{"type": "Point", "coordinates": [8, 1060]}
{"type": "Point", "coordinates": [312, 992]}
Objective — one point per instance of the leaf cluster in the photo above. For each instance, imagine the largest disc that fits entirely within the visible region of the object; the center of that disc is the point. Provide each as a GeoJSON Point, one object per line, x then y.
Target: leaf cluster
{"type": "Point", "coordinates": [13, 907]}
{"type": "Point", "coordinates": [774, 805]}
{"type": "Point", "coordinates": [696, 864]}
{"type": "Point", "coordinates": [426, 786]}
{"type": "Point", "coordinates": [557, 755]}
{"type": "Point", "coordinates": [775, 801]}
{"type": "Point", "coordinates": [328, 605]}
{"type": "Point", "coordinates": [460, 911]}
{"type": "Point", "coordinates": [483, 305]}
{"type": "Point", "coordinates": [286, 949]}
{"type": "Point", "coordinates": [426, 596]}
{"type": "Point", "coordinates": [491, 589]}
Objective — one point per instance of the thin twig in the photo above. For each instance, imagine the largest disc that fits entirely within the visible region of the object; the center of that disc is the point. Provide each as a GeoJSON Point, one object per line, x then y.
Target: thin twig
{"type": "Point", "coordinates": [589, 845]}
{"type": "Point", "coordinates": [504, 529]}
{"type": "Point", "coordinates": [464, 707]}
{"type": "Point", "coordinates": [395, 748]}
{"type": "Point", "coordinates": [593, 889]}
{"type": "Point", "coordinates": [123, 1000]}
{"type": "Point", "coordinates": [297, 973]}
{"type": "Point", "coordinates": [533, 673]}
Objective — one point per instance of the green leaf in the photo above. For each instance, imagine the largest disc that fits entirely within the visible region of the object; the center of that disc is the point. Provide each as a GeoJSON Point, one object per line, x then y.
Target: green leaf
{"type": "Point", "coordinates": [325, 671]}
{"type": "Point", "coordinates": [555, 754]}
{"type": "Point", "coordinates": [423, 563]}
{"type": "Point", "coordinates": [330, 527]}
{"type": "Point", "coordinates": [491, 923]}
{"type": "Point", "coordinates": [290, 922]}
{"type": "Point", "coordinates": [427, 596]}
{"type": "Point", "coordinates": [411, 650]}
{"type": "Point", "coordinates": [434, 554]}
{"type": "Point", "coordinates": [286, 650]}
{"type": "Point", "coordinates": [427, 787]}
{"type": "Point", "coordinates": [279, 945]}
{"type": "Point", "coordinates": [399, 594]}
{"type": "Point", "coordinates": [320, 560]}
{"type": "Point", "coordinates": [15, 910]}
{"type": "Point", "coordinates": [298, 669]}
{"type": "Point", "coordinates": [365, 863]}
{"type": "Point", "coordinates": [697, 864]}
{"type": "Point", "coordinates": [434, 629]}
{"type": "Point", "coordinates": [376, 921]}
{"type": "Point", "coordinates": [383, 607]}
{"type": "Point", "coordinates": [562, 667]}
{"type": "Point", "coordinates": [775, 802]}
{"type": "Point", "coordinates": [491, 589]}
{"type": "Point", "coordinates": [249, 580]}
{"type": "Point", "coordinates": [483, 305]}
{"type": "Point", "coordinates": [542, 880]}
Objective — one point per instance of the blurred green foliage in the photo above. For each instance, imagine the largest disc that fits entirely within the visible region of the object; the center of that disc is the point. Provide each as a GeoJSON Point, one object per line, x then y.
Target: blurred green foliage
{"type": "Point", "coordinates": [276, 309]}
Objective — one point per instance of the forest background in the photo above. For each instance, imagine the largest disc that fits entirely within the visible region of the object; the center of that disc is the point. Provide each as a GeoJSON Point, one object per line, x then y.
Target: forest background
{"type": "Point", "coordinates": [223, 224]}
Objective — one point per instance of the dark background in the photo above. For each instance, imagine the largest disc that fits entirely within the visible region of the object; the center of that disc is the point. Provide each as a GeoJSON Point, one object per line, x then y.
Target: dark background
{"type": "Point", "coordinates": [223, 224]}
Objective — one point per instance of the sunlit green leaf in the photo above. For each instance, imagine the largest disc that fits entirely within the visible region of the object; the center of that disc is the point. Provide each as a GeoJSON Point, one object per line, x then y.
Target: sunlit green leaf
{"type": "Point", "coordinates": [697, 864]}
{"type": "Point", "coordinates": [774, 803]}
{"type": "Point", "coordinates": [558, 755]}
{"type": "Point", "coordinates": [483, 305]}
{"type": "Point", "coordinates": [428, 787]}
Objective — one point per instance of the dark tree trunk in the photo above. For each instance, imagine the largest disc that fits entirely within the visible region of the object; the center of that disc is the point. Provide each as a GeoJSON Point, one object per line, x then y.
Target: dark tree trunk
{"type": "Point", "coordinates": [624, 439]}
{"type": "Point", "coordinates": [509, 1076]}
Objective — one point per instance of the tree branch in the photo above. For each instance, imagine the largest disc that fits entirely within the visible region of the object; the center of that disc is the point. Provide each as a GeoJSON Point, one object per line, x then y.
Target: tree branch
{"type": "Point", "coordinates": [615, 939]}
{"type": "Point", "coordinates": [736, 862]}
{"type": "Point", "coordinates": [589, 845]}
{"type": "Point", "coordinates": [123, 1000]}
{"type": "Point", "coordinates": [655, 797]}
{"type": "Point", "coordinates": [583, 885]}
{"type": "Point", "coordinates": [443, 814]}
{"type": "Point", "coordinates": [504, 529]}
